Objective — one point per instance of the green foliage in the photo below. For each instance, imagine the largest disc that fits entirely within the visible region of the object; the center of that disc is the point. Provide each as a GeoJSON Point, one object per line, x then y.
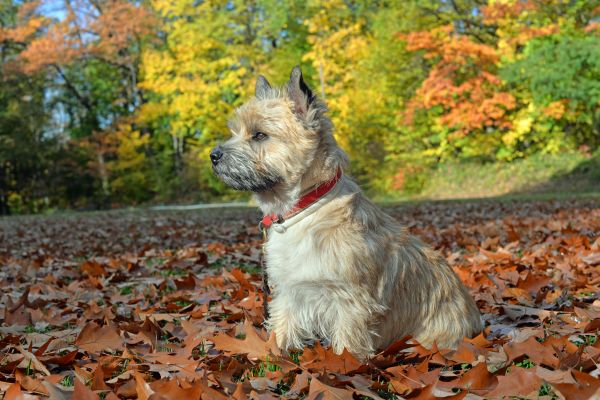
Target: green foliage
{"type": "Point", "coordinates": [560, 67]}
{"type": "Point", "coordinates": [31, 159]}
{"type": "Point", "coordinates": [562, 71]}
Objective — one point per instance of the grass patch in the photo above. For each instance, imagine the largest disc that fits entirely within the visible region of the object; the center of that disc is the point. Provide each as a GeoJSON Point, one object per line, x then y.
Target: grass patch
{"type": "Point", "coordinates": [546, 390]}
{"type": "Point", "coordinates": [33, 329]}
{"type": "Point", "coordinates": [127, 290]}
{"type": "Point", "coordinates": [252, 269]}
{"type": "Point", "coordinates": [166, 273]}
{"type": "Point", "coordinates": [295, 356]}
{"type": "Point", "coordinates": [153, 262]}
{"type": "Point", "coordinates": [68, 381]}
{"type": "Point", "coordinates": [584, 340]}
{"type": "Point", "coordinates": [261, 369]}
{"type": "Point", "coordinates": [199, 351]}
{"type": "Point", "coordinates": [565, 173]}
{"type": "Point", "coordinates": [526, 363]}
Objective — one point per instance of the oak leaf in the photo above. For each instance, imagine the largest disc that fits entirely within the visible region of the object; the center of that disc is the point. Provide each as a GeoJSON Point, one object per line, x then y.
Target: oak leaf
{"type": "Point", "coordinates": [254, 345]}
{"type": "Point", "coordinates": [94, 338]}
{"type": "Point", "coordinates": [320, 391]}
{"type": "Point", "coordinates": [318, 358]}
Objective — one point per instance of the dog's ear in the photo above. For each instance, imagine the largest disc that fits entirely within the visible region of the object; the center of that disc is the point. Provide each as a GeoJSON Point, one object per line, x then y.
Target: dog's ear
{"type": "Point", "coordinates": [262, 87]}
{"type": "Point", "coordinates": [299, 92]}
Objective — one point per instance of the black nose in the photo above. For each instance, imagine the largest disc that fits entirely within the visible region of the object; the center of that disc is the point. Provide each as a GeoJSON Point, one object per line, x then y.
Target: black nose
{"type": "Point", "coordinates": [215, 155]}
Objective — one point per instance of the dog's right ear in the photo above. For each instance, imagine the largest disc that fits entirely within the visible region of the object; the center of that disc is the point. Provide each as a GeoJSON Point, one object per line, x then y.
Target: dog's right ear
{"type": "Point", "coordinates": [299, 92]}
{"type": "Point", "coordinates": [262, 87]}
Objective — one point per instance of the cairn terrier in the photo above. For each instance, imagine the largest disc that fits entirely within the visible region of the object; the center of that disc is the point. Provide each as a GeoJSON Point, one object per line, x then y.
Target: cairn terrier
{"type": "Point", "coordinates": [340, 269]}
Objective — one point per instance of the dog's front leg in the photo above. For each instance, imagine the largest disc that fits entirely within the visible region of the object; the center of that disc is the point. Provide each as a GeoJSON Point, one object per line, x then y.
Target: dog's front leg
{"type": "Point", "coordinates": [328, 310]}
{"type": "Point", "coordinates": [283, 320]}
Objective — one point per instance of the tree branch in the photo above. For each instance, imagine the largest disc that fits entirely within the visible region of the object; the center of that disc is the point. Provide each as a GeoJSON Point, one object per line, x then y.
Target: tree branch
{"type": "Point", "coordinates": [82, 99]}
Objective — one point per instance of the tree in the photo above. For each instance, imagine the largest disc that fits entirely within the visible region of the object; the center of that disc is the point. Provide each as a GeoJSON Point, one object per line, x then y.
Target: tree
{"type": "Point", "coordinates": [205, 66]}
{"type": "Point", "coordinates": [549, 60]}
{"type": "Point", "coordinates": [462, 92]}
{"type": "Point", "coordinates": [23, 146]}
{"type": "Point", "coordinates": [483, 93]}
{"type": "Point", "coordinates": [89, 60]}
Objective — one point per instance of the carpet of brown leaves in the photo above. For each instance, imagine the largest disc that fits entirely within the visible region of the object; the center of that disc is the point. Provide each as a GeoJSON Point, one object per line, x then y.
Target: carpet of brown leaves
{"type": "Point", "coordinates": [168, 306]}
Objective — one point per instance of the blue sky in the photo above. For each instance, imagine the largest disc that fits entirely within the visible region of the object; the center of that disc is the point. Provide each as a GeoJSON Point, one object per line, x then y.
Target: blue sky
{"type": "Point", "coordinates": [53, 8]}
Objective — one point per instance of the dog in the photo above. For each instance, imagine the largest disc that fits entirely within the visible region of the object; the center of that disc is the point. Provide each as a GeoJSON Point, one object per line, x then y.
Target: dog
{"type": "Point", "coordinates": [340, 269]}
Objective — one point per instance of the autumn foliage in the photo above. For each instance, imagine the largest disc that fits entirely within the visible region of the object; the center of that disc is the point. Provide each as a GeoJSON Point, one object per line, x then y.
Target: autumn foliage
{"type": "Point", "coordinates": [119, 102]}
{"type": "Point", "coordinates": [462, 82]}
{"type": "Point", "coordinates": [107, 35]}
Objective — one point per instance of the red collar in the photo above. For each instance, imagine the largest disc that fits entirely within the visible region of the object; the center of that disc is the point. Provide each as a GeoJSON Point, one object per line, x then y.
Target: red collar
{"type": "Point", "coordinates": [305, 201]}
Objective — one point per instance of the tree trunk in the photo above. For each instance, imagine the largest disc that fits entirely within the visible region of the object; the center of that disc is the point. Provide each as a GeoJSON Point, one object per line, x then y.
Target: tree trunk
{"type": "Point", "coordinates": [4, 210]}
{"type": "Point", "coordinates": [4, 179]}
{"type": "Point", "coordinates": [322, 79]}
{"type": "Point", "coordinates": [104, 179]}
{"type": "Point", "coordinates": [175, 153]}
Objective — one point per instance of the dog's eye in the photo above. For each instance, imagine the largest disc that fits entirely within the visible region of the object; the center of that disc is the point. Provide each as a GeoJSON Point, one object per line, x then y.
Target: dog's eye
{"type": "Point", "coordinates": [259, 136]}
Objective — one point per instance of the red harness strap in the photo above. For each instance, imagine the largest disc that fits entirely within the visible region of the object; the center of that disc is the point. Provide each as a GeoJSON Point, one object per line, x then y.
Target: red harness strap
{"type": "Point", "coordinates": [307, 200]}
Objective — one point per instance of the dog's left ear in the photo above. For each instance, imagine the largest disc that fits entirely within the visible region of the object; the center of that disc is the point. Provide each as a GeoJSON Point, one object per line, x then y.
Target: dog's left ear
{"type": "Point", "coordinates": [299, 92]}
{"type": "Point", "coordinates": [262, 87]}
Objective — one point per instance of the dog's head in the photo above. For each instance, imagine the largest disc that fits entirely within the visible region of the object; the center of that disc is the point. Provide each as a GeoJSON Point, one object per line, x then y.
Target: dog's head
{"type": "Point", "coordinates": [276, 137]}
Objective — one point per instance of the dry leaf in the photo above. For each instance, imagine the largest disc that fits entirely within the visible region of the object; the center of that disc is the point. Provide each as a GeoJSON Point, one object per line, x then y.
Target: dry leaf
{"type": "Point", "coordinates": [94, 338]}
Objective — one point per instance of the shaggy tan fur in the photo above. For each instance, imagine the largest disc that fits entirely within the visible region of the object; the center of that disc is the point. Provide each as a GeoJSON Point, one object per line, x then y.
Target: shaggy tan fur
{"type": "Point", "coordinates": [342, 270]}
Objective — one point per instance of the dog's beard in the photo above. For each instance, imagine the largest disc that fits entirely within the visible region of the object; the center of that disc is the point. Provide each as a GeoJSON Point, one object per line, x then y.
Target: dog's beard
{"type": "Point", "coordinates": [239, 176]}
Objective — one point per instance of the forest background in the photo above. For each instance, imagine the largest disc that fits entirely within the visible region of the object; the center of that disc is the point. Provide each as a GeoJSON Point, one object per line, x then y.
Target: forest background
{"type": "Point", "coordinates": [110, 103]}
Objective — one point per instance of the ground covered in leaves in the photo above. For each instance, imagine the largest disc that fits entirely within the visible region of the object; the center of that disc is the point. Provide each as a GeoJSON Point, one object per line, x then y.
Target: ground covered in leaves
{"type": "Point", "coordinates": [168, 305]}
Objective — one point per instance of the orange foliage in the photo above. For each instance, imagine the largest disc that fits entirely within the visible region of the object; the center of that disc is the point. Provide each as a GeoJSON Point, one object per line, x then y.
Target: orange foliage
{"type": "Point", "coordinates": [593, 26]}
{"type": "Point", "coordinates": [31, 23]}
{"type": "Point", "coordinates": [496, 12]}
{"type": "Point", "coordinates": [58, 46]}
{"type": "Point", "coordinates": [105, 35]}
{"type": "Point", "coordinates": [461, 81]}
{"type": "Point", "coordinates": [121, 24]}
{"type": "Point", "coordinates": [555, 110]}
{"type": "Point", "coordinates": [506, 15]}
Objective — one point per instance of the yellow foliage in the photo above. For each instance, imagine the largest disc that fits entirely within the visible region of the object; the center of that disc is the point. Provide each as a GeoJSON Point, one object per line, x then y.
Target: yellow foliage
{"type": "Point", "coordinates": [130, 148]}
{"type": "Point", "coordinates": [197, 77]}
{"type": "Point", "coordinates": [337, 41]}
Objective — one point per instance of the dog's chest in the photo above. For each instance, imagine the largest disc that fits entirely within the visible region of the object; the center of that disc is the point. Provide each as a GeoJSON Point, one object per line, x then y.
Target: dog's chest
{"type": "Point", "coordinates": [293, 256]}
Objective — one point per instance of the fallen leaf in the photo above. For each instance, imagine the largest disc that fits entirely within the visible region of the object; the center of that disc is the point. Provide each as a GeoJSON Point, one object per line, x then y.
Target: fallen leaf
{"type": "Point", "coordinates": [519, 382]}
{"type": "Point", "coordinates": [142, 388]}
{"type": "Point", "coordinates": [94, 338]}
{"type": "Point", "coordinates": [253, 344]}
{"type": "Point", "coordinates": [81, 392]}
{"type": "Point", "coordinates": [586, 387]}
{"type": "Point", "coordinates": [318, 358]}
{"type": "Point", "coordinates": [321, 391]}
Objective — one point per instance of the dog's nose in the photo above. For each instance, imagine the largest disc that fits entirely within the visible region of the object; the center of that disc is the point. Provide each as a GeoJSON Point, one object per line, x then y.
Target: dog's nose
{"type": "Point", "coordinates": [216, 154]}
